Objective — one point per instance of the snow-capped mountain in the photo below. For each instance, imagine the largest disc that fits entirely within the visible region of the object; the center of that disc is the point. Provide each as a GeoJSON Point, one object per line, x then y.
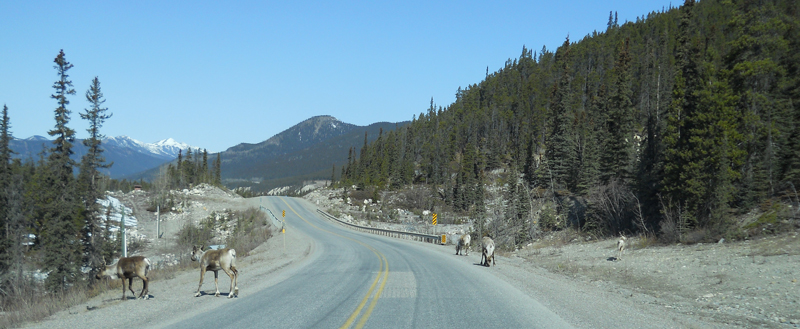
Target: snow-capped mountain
{"type": "Point", "coordinates": [166, 147]}
{"type": "Point", "coordinates": [129, 156]}
{"type": "Point", "coordinates": [36, 138]}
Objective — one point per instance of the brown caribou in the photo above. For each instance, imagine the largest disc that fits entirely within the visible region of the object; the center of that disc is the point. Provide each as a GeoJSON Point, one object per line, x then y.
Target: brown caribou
{"type": "Point", "coordinates": [215, 260]}
{"type": "Point", "coordinates": [128, 268]}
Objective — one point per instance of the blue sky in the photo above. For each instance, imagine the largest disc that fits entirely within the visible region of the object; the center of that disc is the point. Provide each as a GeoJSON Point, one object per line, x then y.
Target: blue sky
{"type": "Point", "coordinates": [215, 74]}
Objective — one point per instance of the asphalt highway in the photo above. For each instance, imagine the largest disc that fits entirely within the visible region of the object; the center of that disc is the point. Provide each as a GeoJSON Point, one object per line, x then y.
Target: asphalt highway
{"type": "Point", "coordinates": [360, 280]}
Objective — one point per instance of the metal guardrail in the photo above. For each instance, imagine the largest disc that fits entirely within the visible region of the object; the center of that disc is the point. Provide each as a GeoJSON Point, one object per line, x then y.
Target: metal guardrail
{"type": "Point", "coordinates": [390, 233]}
{"type": "Point", "coordinates": [275, 221]}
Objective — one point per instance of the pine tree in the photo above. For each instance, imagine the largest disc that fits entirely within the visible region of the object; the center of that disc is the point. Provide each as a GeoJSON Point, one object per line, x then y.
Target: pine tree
{"type": "Point", "coordinates": [560, 148]}
{"type": "Point", "coordinates": [6, 190]}
{"type": "Point", "coordinates": [60, 238]}
{"type": "Point", "coordinates": [206, 177]}
{"type": "Point", "coordinates": [218, 171]}
{"type": "Point", "coordinates": [618, 155]}
{"type": "Point", "coordinates": [189, 168]}
{"type": "Point", "coordinates": [684, 105]}
{"type": "Point", "coordinates": [89, 177]}
{"type": "Point", "coordinates": [178, 176]}
{"type": "Point", "coordinates": [756, 74]}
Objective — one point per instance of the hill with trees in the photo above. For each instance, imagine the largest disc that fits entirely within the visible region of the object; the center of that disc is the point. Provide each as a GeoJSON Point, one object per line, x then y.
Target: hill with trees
{"type": "Point", "coordinates": [678, 123]}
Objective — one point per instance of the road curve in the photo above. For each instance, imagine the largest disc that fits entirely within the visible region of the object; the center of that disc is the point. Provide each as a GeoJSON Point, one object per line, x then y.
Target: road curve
{"type": "Point", "coordinates": [355, 280]}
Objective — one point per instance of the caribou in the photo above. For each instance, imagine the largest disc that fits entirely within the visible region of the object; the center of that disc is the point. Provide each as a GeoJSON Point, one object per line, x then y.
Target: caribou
{"type": "Point", "coordinates": [215, 260]}
{"type": "Point", "coordinates": [128, 268]}
{"type": "Point", "coordinates": [463, 244]}
{"type": "Point", "coordinates": [620, 246]}
{"type": "Point", "coordinates": [488, 252]}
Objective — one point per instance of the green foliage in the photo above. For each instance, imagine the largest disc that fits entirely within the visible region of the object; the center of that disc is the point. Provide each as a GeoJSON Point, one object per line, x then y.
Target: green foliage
{"type": "Point", "coordinates": [89, 177]}
{"type": "Point", "coordinates": [696, 105]}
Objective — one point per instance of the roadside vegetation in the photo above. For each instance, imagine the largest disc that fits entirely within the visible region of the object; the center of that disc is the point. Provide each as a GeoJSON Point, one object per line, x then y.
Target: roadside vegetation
{"type": "Point", "coordinates": [56, 234]}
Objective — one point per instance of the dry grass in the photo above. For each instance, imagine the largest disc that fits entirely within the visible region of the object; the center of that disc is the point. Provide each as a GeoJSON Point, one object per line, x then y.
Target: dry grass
{"type": "Point", "coordinates": [29, 304]}
{"type": "Point", "coordinates": [788, 244]}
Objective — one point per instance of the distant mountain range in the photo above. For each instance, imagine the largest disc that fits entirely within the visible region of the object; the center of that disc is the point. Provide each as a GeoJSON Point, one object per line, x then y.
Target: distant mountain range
{"type": "Point", "coordinates": [129, 156]}
{"type": "Point", "coordinates": [306, 151]}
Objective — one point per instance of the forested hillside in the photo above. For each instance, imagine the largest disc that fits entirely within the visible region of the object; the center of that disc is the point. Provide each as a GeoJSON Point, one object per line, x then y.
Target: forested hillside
{"type": "Point", "coordinates": [679, 122]}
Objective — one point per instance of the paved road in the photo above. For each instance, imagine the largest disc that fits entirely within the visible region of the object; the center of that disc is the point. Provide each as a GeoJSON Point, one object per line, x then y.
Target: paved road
{"type": "Point", "coordinates": [355, 280]}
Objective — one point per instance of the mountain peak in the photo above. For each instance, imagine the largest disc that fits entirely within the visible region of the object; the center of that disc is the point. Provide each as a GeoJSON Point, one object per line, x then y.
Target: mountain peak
{"type": "Point", "coordinates": [299, 136]}
{"type": "Point", "coordinates": [36, 138]}
{"type": "Point", "coordinates": [165, 147]}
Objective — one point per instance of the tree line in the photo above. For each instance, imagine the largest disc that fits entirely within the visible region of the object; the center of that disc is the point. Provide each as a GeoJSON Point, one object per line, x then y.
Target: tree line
{"type": "Point", "coordinates": [679, 121]}
{"type": "Point", "coordinates": [50, 217]}
{"type": "Point", "coordinates": [49, 214]}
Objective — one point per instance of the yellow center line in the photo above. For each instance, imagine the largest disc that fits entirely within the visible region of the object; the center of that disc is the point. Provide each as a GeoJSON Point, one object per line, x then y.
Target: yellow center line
{"type": "Point", "coordinates": [377, 295]}
{"type": "Point", "coordinates": [384, 271]}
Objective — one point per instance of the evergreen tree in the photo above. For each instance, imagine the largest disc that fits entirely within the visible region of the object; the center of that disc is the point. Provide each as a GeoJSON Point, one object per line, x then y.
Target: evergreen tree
{"type": "Point", "coordinates": [756, 74]}
{"type": "Point", "coordinates": [618, 155]}
{"type": "Point", "coordinates": [206, 177]}
{"type": "Point", "coordinates": [60, 236]}
{"type": "Point", "coordinates": [5, 191]}
{"type": "Point", "coordinates": [89, 177]}
{"type": "Point", "coordinates": [560, 148]}
{"type": "Point", "coordinates": [218, 171]}
{"type": "Point", "coordinates": [189, 168]}
{"type": "Point", "coordinates": [678, 149]}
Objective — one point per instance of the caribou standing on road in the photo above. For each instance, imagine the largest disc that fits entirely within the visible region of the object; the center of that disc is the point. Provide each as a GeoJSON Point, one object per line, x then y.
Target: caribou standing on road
{"type": "Point", "coordinates": [487, 256]}
{"type": "Point", "coordinates": [128, 268]}
{"type": "Point", "coordinates": [215, 260]}
{"type": "Point", "coordinates": [463, 244]}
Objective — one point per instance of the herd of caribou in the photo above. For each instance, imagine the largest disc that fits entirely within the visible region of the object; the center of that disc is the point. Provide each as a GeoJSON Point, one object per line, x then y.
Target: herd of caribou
{"type": "Point", "coordinates": [210, 260]}
{"type": "Point", "coordinates": [487, 254]}
{"type": "Point", "coordinates": [128, 268]}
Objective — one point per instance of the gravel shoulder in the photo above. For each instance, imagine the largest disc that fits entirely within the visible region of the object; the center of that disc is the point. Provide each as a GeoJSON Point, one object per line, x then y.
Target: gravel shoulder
{"type": "Point", "coordinates": [741, 284]}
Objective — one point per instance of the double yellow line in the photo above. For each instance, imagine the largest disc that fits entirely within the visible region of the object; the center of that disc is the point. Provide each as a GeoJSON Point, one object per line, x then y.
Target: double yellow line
{"type": "Point", "coordinates": [381, 277]}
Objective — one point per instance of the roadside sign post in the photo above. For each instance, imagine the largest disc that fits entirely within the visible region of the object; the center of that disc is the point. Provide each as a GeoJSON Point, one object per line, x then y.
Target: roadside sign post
{"type": "Point", "coordinates": [283, 230]}
{"type": "Point", "coordinates": [434, 223]}
{"type": "Point", "coordinates": [122, 227]}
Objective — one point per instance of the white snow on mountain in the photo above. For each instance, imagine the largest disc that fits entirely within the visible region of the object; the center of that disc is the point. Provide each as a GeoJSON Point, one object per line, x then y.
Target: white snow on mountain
{"type": "Point", "coordinates": [166, 147]}
{"type": "Point", "coordinates": [36, 138]}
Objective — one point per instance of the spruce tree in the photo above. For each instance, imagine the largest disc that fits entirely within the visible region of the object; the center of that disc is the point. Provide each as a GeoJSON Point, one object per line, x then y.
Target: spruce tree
{"type": "Point", "coordinates": [754, 61]}
{"type": "Point", "coordinates": [684, 105]}
{"type": "Point", "coordinates": [560, 148]}
{"type": "Point", "coordinates": [218, 170]}
{"type": "Point", "coordinates": [617, 157]}
{"type": "Point", "coordinates": [60, 236]}
{"type": "Point", "coordinates": [6, 191]}
{"type": "Point", "coordinates": [206, 178]}
{"type": "Point", "coordinates": [89, 177]}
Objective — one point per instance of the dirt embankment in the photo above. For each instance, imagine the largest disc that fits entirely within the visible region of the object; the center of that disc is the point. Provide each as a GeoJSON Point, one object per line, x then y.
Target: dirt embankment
{"type": "Point", "coordinates": [747, 283]}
